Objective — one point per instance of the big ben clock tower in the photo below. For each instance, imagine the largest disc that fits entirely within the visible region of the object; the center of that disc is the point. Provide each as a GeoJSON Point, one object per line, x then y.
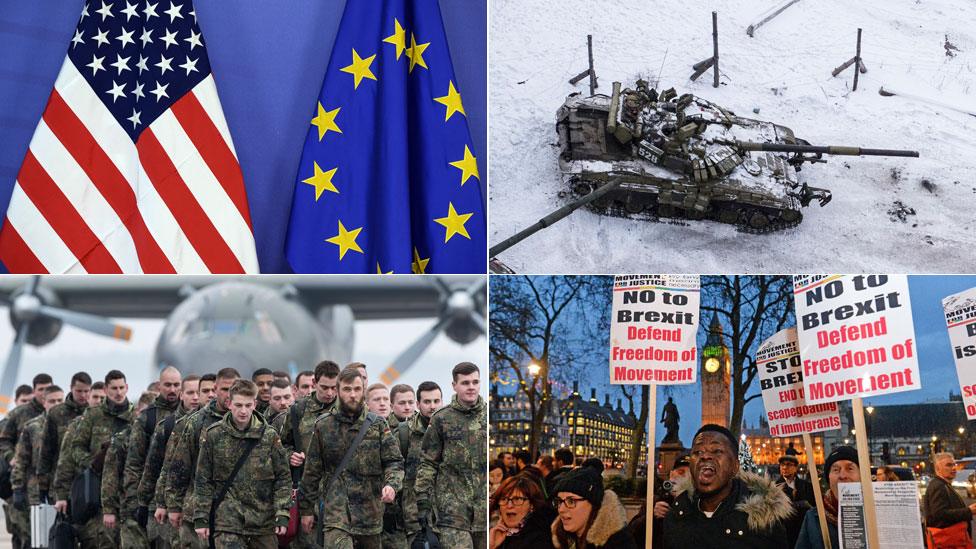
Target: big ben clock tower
{"type": "Point", "coordinates": [715, 377]}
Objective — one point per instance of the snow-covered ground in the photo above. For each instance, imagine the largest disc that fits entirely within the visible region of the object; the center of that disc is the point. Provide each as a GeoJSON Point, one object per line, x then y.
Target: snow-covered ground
{"type": "Point", "coordinates": [887, 214]}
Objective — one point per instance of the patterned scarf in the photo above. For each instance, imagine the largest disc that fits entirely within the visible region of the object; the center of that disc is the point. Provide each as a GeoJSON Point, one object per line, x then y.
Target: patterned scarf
{"type": "Point", "coordinates": [830, 507]}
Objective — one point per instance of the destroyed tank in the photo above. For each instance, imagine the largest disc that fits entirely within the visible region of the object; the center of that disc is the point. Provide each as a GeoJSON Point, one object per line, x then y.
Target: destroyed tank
{"type": "Point", "coordinates": [670, 156]}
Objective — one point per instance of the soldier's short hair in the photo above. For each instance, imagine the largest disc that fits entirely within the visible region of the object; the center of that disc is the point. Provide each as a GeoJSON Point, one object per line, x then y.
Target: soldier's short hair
{"type": "Point", "coordinates": [311, 374]}
{"type": "Point", "coordinates": [356, 365]}
{"type": "Point", "coordinates": [98, 386]}
{"type": "Point", "coordinates": [400, 388]}
{"type": "Point", "coordinates": [464, 369]}
{"type": "Point", "coordinates": [23, 390]}
{"type": "Point", "coordinates": [281, 374]}
{"type": "Point", "coordinates": [244, 388]}
{"type": "Point", "coordinates": [189, 378]}
{"type": "Point", "coordinates": [113, 375]}
{"type": "Point", "coordinates": [154, 387]}
{"type": "Point", "coordinates": [375, 387]}
{"type": "Point", "coordinates": [281, 384]}
{"type": "Point", "coordinates": [261, 372]}
{"type": "Point", "coordinates": [208, 377]}
{"type": "Point", "coordinates": [228, 373]}
{"type": "Point", "coordinates": [349, 374]}
{"type": "Point", "coordinates": [326, 368]}
{"type": "Point", "coordinates": [147, 398]}
{"type": "Point", "coordinates": [53, 389]}
{"type": "Point", "coordinates": [428, 386]}
{"type": "Point", "coordinates": [81, 377]}
{"type": "Point", "coordinates": [41, 379]}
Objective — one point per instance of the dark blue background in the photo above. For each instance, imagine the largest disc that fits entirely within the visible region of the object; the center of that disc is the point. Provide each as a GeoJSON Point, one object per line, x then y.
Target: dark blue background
{"type": "Point", "coordinates": [268, 58]}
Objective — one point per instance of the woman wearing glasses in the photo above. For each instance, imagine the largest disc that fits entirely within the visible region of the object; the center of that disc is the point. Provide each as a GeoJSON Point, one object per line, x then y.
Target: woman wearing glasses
{"type": "Point", "coordinates": [524, 515]}
{"type": "Point", "coordinates": [589, 516]}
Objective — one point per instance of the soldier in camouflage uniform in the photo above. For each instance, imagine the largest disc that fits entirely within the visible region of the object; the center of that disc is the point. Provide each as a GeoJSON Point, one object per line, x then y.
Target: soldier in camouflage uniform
{"type": "Point", "coordinates": [412, 431]}
{"type": "Point", "coordinates": [255, 507]}
{"type": "Point", "coordinates": [453, 465]}
{"type": "Point", "coordinates": [145, 423]}
{"type": "Point", "coordinates": [353, 517]}
{"type": "Point", "coordinates": [9, 434]}
{"type": "Point", "coordinates": [113, 502]}
{"type": "Point", "coordinates": [93, 432]}
{"type": "Point", "coordinates": [401, 403]}
{"type": "Point", "coordinates": [263, 378]}
{"type": "Point", "coordinates": [150, 484]}
{"type": "Point", "coordinates": [321, 400]}
{"type": "Point", "coordinates": [56, 422]}
{"type": "Point", "coordinates": [23, 478]}
{"type": "Point", "coordinates": [181, 470]}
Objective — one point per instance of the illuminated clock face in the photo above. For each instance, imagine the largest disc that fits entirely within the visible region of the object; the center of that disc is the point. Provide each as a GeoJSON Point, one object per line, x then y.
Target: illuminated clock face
{"type": "Point", "coordinates": [712, 365]}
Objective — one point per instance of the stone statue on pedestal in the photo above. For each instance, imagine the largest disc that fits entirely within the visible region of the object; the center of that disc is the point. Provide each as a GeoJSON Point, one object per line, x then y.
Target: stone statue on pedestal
{"type": "Point", "coordinates": [670, 417]}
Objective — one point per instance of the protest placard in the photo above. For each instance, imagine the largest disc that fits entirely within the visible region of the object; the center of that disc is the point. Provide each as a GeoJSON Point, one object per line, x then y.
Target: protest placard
{"type": "Point", "coordinates": [856, 336]}
{"type": "Point", "coordinates": [653, 329]}
{"type": "Point", "coordinates": [898, 515]}
{"type": "Point", "coordinates": [960, 315]}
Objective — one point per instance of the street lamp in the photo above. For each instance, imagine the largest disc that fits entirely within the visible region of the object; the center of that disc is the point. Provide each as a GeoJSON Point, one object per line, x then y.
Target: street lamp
{"type": "Point", "coordinates": [534, 369]}
{"type": "Point", "coordinates": [962, 441]}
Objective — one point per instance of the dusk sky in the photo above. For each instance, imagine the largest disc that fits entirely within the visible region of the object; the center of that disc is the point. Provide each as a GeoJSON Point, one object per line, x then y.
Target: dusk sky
{"type": "Point", "coordinates": [937, 370]}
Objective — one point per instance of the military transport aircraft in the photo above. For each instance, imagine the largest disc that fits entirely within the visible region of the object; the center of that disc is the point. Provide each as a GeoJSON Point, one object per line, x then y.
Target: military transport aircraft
{"type": "Point", "coordinates": [281, 322]}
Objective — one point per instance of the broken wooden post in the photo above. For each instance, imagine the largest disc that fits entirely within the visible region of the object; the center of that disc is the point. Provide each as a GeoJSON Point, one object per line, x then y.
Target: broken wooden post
{"type": "Point", "coordinates": [712, 62]}
{"type": "Point", "coordinates": [768, 15]}
{"type": "Point", "coordinates": [590, 71]}
{"type": "Point", "coordinates": [859, 66]}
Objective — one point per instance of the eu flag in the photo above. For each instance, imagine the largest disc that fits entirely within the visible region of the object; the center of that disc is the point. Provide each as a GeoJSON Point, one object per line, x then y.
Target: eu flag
{"type": "Point", "coordinates": [388, 180]}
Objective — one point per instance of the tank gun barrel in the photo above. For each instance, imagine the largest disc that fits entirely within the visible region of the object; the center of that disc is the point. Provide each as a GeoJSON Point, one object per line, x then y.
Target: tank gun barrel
{"type": "Point", "coordinates": [839, 150]}
{"type": "Point", "coordinates": [553, 218]}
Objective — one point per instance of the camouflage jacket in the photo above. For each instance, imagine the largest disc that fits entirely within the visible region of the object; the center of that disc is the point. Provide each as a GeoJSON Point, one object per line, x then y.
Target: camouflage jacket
{"type": "Point", "coordinates": [24, 475]}
{"type": "Point", "coordinates": [181, 471]}
{"type": "Point", "coordinates": [61, 484]}
{"type": "Point", "coordinates": [278, 421]}
{"type": "Point", "coordinates": [151, 482]}
{"type": "Point", "coordinates": [135, 460]}
{"type": "Point", "coordinates": [263, 408]}
{"type": "Point", "coordinates": [56, 422]}
{"type": "Point", "coordinates": [93, 430]}
{"type": "Point", "coordinates": [352, 502]}
{"type": "Point", "coordinates": [416, 426]}
{"type": "Point", "coordinates": [114, 502]}
{"type": "Point", "coordinates": [16, 419]}
{"type": "Point", "coordinates": [310, 409]}
{"type": "Point", "coordinates": [259, 497]}
{"type": "Point", "coordinates": [453, 466]}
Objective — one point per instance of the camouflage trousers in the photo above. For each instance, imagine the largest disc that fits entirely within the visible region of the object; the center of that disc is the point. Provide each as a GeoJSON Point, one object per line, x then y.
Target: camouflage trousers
{"type": "Point", "coordinates": [395, 540]}
{"type": "Point", "coordinates": [227, 540]}
{"type": "Point", "coordinates": [132, 535]}
{"type": "Point", "coordinates": [161, 536]}
{"type": "Point", "coordinates": [306, 541]}
{"type": "Point", "coordinates": [189, 539]}
{"type": "Point", "coordinates": [461, 539]}
{"type": "Point", "coordinates": [18, 524]}
{"type": "Point", "coordinates": [94, 535]}
{"type": "Point", "coordinates": [340, 539]}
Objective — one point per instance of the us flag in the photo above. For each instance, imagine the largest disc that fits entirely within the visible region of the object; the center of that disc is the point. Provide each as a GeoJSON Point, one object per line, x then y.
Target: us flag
{"type": "Point", "coordinates": [132, 167]}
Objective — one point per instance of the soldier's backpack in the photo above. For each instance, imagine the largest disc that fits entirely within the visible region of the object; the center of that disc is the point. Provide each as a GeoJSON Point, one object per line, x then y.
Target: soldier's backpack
{"type": "Point", "coordinates": [403, 433]}
{"type": "Point", "coordinates": [62, 534]}
{"type": "Point", "coordinates": [86, 496]}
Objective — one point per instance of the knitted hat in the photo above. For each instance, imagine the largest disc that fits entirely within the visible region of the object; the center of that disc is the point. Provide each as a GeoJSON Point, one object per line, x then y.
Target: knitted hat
{"type": "Point", "coordinates": [840, 453]}
{"type": "Point", "coordinates": [790, 458]}
{"type": "Point", "coordinates": [585, 482]}
{"type": "Point", "coordinates": [720, 430]}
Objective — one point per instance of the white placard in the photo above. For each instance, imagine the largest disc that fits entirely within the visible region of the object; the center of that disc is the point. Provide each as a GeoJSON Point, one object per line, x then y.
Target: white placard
{"type": "Point", "coordinates": [960, 315]}
{"type": "Point", "coordinates": [781, 383]}
{"type": "Point", "coordinates": [899, 518]}
{"type": "Point", "coordinates": [856, 336]}
{"type": "Point", "coordinates": [653, 329]}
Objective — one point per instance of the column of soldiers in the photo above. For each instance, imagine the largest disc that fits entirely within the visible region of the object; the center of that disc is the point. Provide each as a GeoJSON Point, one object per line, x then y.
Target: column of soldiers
{"type": "Point", "coordinates": [328, 461]}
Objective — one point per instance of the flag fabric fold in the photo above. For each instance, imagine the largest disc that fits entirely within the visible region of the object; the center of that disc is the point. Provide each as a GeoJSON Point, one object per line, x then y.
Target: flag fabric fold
{"type": "Point", "coordinates": [388, 181]}
{"type": "Point", "coordinates": [131, 168]}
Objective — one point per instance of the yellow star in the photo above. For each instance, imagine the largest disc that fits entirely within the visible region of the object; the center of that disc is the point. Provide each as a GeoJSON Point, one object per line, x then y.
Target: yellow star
{"type": "Point", "coordinates": [398, 38]}
{"type": "Point", "coordinates": [346, 240]}
{"type": "Point", "coordinates": [359, 68]}
{"type": "Point", "coordinates": [418, 266]}
{"type": "Point", "coordinates": [379, 271]}
{"type": "Point", "coordinates": [452, 101]}
{"type": "Point", "coordinates": [454, 223]}
{"type": "Point", "coordinates": [468, 166]}
{"type": "Point", "coordinates": [416, 53]}
{"type": "Point", "coordinates": [322, 181]}
{"type": "Point", "coordinates": [325, 121]}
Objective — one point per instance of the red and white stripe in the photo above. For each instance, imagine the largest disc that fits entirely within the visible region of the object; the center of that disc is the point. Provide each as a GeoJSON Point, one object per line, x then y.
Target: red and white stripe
{"type": "Point", "coordinates": [89, 200]}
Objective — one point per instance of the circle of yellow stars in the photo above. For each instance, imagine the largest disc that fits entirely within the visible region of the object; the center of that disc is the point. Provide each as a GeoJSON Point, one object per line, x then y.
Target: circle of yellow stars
{"type": "Point", "coordinates": [360, 68]}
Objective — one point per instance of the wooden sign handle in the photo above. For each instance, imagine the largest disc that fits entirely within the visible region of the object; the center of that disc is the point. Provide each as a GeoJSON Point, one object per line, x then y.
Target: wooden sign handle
{"type": "Point", "coordinates": [817, 494]}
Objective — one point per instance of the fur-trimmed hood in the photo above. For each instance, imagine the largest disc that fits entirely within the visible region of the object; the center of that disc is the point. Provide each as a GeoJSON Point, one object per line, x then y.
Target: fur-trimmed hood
{"type": "Point", "coordinates": [610, 519]}
{"type": "Point", "coordinates": [765, 504]}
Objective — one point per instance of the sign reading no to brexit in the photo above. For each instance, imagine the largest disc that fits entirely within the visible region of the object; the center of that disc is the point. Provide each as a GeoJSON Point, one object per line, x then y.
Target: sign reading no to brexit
{"type": "Point", "coordinates": [856, 336]}
{"type": "Point", "coordinates": [653, 329]}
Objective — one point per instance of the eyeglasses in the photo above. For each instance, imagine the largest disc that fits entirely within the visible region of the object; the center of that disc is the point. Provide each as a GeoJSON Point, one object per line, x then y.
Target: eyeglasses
{"type": "Point", "coordinates": [513, 501]}
{"type": "Point", "coordinates": [570, 503]}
